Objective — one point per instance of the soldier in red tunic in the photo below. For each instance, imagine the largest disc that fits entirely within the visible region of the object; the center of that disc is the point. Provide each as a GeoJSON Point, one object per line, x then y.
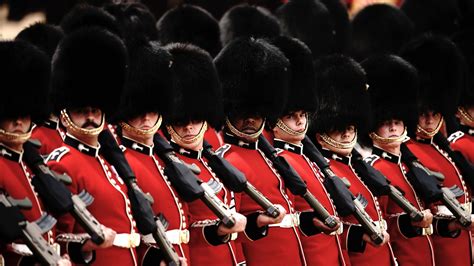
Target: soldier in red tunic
{"type": "Point", "coordinates": [198, 102]}
{"type": "Point", "coordinates": [254, 75]}
{"type": "Point", "coordinates": [321, 245]}
{"type": "Point", "coordinates": [440, 66]}
{"type": "Point", "coordinates": [387, 74]}
{"type": "Point", "coordinates": [25, 74]}
{"type": "Point", "coordinates": [88, 67]}
{"type": "Point", "coordinates": [341, 114]}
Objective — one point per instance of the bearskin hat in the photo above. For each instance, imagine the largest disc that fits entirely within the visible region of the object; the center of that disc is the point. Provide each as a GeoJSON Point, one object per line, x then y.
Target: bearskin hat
{"type": "Point", "coordinates": [380, 29]}
{"type": "Point", "coordinates": [89, 16]}
{"type": "Point", "coordinates": [302, 87]}
{"type": "Point", "coordinates": [149, 85]}
{"type": "Point", "coordinates": [465, 42]}
{"type": "Point", "coordinates": [255, 78]}
{"type": "Point", "coordinates": [135, 21]}
{"type": "Point", "coordinates": [199, 95]}
{"type": "Point", "coordinates": [439, 16]}
{"type": "Point", "coordinates": [44, 36]}
{"type": "Point", "coordinates": [248, 21]}
{"type": "Point", "coordinates": [342, 24]}
{"type": "Point", "coordinates": [342, 94]}
{"type": "Point", "coordinates": [190, 24]}
{"type": "Point", "coordinates": [24, 73]}
{"type": "Point", "coordinates": [393, 83]}
{"type": "Point", "coordinates": [441, 69]}
{"type": "Point", "coordinates": [88, 69]}
{"type": "Point", "coordinates": [311, 22]}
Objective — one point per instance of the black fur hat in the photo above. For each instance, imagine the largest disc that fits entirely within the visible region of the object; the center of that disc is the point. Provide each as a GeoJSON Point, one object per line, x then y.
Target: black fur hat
{"type": "Point", "coordinates": [149, 85]}
{"type": "Point", "coordinates": [198, 91]}
{"type": "Point", "coordinates": [89, 16]}
{"type": "Point", "coordinates": [380, 29]}
{"type": "Point", "coordinates": [438, 16]}
{"type": "Point", "coordinates": [302, 87]}
{"type": "Point", "coordinates": [342, 94]}
{"type": "Point", "coordinates": [44, 36]}
{"type": "Point", "coordinates": [311, 22]}
{"type": "Point", "coordinates": [255, 78]}
{"type": "Point", "coordinates": [342, 24]}
{"type": "Point", "coordinates": [190, 24]}
{"type": "Point", "coordinates": [465, 42]}
{"type": "Point", "coordinates": [393, 83]}
{"type": "Point", "coordinates": [89, 69]}
{"type": "Point", "coordinates": [248, 21]}
{"type": "Point", "coordinates": [442, 72]}
{"type": "Point", "coordinates": [24, 75]}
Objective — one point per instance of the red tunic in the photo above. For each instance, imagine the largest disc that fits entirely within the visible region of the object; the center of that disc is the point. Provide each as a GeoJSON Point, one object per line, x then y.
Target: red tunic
{"type": "Point", "coordinates": [448, 251]}
{"type": "Point", "coordinates": [201, 252]}
{"type": "Point", "coordinates": [282, 246]}
{"type": "Point", "coordinates": [111, 206]}
{"type": "Point", "coordinates": [50, 136]}
{"type": "Point", "coordinates": [214, 138]}
{"type": "Point", "coordinates": [464, 143]}
{"type": "Point", "coordinates": [415, 251]}
{"type": "Point", "coordinates": [150, 177]}
{"type": "Point", "coordinates": [320, 249]}
{"type": "Point", "coordinates": [15, 179]}
{"type": "Point", "coordinates": [371, 255]}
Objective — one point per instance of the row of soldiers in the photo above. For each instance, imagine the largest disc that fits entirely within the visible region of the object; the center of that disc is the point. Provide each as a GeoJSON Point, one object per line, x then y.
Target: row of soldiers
{"type": "Point", "coordinates": [181, 153]}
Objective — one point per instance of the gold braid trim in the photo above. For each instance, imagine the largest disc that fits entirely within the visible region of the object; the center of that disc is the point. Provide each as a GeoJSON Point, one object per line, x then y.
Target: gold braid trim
{"type": "Point", "coordinates": [383, 140]}
{"type": "Point", "coordinates": [241, 134]}
{"type": "Point", "coordinates": [281, 125]}
{"type": "Point", "coordinates": [180, 140]}
{"type": "Point", "coordinates": [466, 116]}
{"type": "Point", "coordinates": [428, 134]}
{"type": "Point", "coordinates": [16, 137]}
{"type": "Point", "coordinates": [142, 132]}
{"type": "Point", "coordinates": [81, 131]}
{"type": "Point", "coordinates": [339, 145]}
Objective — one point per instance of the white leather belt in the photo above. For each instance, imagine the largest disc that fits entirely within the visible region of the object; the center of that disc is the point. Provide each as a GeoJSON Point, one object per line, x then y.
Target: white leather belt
{"type": "Point", "coordinates": [444, 211]}
{"type": "Point", "coordinates": [127, 240]}
{"type": "Point", "coordinates": [290, 220]}
{"type": "Point", "coordinates": [427, 231]}
{"type": "Point", "coordinates": [175, 236]}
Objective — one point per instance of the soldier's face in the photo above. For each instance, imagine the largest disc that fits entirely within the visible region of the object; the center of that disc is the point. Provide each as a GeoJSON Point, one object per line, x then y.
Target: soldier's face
{"type": "Point", "coordinates": [145, 121]}
{"type": "Point", "coordinates": [248, 125]}
{"type": "Point", "coordinates": [86, 117]}
{"type": "Point", "coordinates": [187, 131]}
{"type": "Point", "coordinates": [19, 125]}
{"type": "Point", "coordinates": [429, 120]}
{"type": "Point", "coordinates": [296, 121]}
{"type": "Point", "coordinates": [465, 121]}
{"type": "Point", "coordinates": [390, 129]}
{"type": "Point", "coordinates": [343, 136]}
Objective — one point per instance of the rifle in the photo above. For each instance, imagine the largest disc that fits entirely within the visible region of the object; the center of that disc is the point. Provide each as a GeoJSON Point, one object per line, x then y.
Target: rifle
{"type": "Point", "coordinates": [294, 182]}
{"type": "Point", "coordinates": [140, 202]}
{"type": "Point", "coordinates": [236, 180]}
{"type": "Point", "coordinates": [187, 184]}
{"type": "Point", "coordinates": [52, 190]}
{"type": "Point", "coordinates": [32, 233]}
{"type": "Point", "coordinates": [380, 185]}
{"type": "Point", "coordinates": [346, 203]}
{"type": "Point", "coordinates": [426, 182]}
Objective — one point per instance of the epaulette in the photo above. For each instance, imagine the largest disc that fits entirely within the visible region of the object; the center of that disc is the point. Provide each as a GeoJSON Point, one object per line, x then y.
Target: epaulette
{"type": "Point", "coordinates": [455, 136]}
{"type": "Point", "coordinates": [57, 154]}
{"type": "Point", "coordinates": [222, 150]}
{"type": "Point", "coordinates": [371, 159]}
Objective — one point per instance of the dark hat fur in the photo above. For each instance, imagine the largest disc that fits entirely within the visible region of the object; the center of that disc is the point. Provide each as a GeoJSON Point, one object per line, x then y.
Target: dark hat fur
{"type": "Point", "coordinates": [24, 74]}
{"type": "Point", "coordinates": [438, 16]}
{"type": "Point", "coordinates": [89, 69]}
{"type": "Point", "coordinates": [380, 29]}
{"type": "Point", "coordinates": [342, 24]}
{"type": "Point", "coordinates": [44, 36]}
{"type": "Point", "coordinates": [311, 22]}
{"type": "Point", "coordinates": [393, 83]}
{"type": "Point", "coordinates": [342, 94]}
{"type": "Point", "coordinates": [248, 21]}
{"type": "Point", "coordinates": [190, 24]}
{"type": "Point", "coordinates": [441, 68]}
{"type": "Point", "coordinates": [149, 85]}
{"type": "Point", "coordinates": [302, 88]}
{"type": "Point", "coordinates": [464, 40]}
{"type": "Point", "coordinates": [255, 78]}
{"type": "Point", "coordinates": [199, 95]}
{"type": "Point", "coordinates": [89, 16]}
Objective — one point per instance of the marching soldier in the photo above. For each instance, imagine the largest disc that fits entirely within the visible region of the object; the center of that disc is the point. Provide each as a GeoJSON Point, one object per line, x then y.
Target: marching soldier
{"type": "Point", "coordinates": [342, 113]}
{"type": "Point", "coordinates": [88, 68]}
{"type": "Point", "coordinates": [386, 74]}
{"type": "Point", "coordinates": [321, 245]}
{"type": "Point", "coordinates": [440, 66]}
